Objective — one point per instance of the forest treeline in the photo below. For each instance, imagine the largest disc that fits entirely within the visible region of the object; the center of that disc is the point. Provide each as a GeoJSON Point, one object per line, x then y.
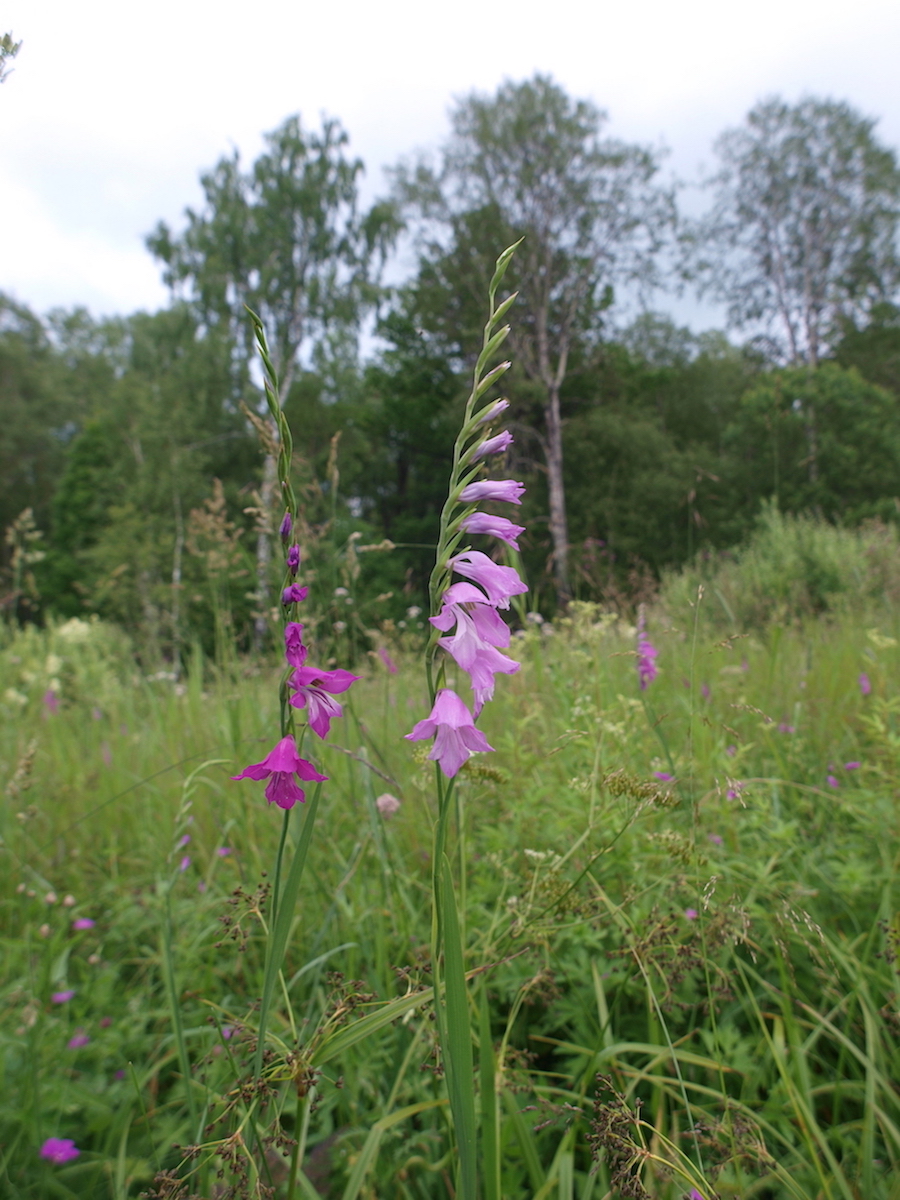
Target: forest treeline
{"type": "Point", "coordinates": [132, 483]}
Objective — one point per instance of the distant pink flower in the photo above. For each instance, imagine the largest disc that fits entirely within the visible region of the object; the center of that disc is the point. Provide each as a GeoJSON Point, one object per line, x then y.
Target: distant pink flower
{"type": "Point", "coordinates": [185, 863]}
{"type": "Point", "coordinates": [120, 1074]}
{"type": "Point", "coordinates": [691, 914]}
{"type": "Point", "coordinates": [294, 650]}
{"type": "Point", "coordinates": [83, 923]}
{"type": "Point", "coordinates": [716, 839]}
{"type": "Point", "coordinates": [493, 445]}
{"type": "Point", "coordinates": [695, 1195]}
{"type": "Point", "coordinates": [865, 685]}
{"type": "Point", "coordinates": [51, 701]}
{"type": "Point", "coordinates": [62, 997]}
{"type": "Point", "coordinates": [59, 1150]}
{"type": "Point", "coordinates": [387, 804]}
{"type": "Point", "coordinates": [498, 527]}
{"type": "Point", "coordinates": [184, 839]}
{"type": "Point", "coordinates": [832, 781]}
{"type": "Point", "coordinates": [646, 662]}
{"type": "Point", "coordinates": [663, 776]}
{"type": "Point", "coordinates": [455, 736]}
{"type": "Point", "coordinates": [852, 766]}
{"type": "Point", "coordinates": [704, 691]}
{"type": "Point", "coordinates": [280, 766]}
{"type": "Point", "coordinates": [507, 490]}
{"type": "Point", "coordinates": [492, 411]}
{"type": "Point", "coordinates": [223, 851]}
{"type": "Point", "coordinates": [387, 660]}
{"type": "Point", "coordinates": [499, 582]}
{"type": "Point", "coordinates": [731, 751]}
{"type": "Point", "coordinates": [785, 728]}
{"type": "Point", "coordinates": [314, 690]}
{"type": "Point", "coordinates": [96, 714]}
{"type": "Point", "coordinates": [293, 559]}
{"type": "Point", "coordinates": [734, 791]}
{"type": "Point", "coordinates": [201, 885]}
{"type": "Point", "coordinates": [106, 753]}
{"type": "Point", "coordinates": [286, 526]}
{"type": "Point", "coordinates": [105, 1022]}
{"type": "Point", "coordinates": [294, 594]}
{"type": "Point", "coordinates": [79, 1039]}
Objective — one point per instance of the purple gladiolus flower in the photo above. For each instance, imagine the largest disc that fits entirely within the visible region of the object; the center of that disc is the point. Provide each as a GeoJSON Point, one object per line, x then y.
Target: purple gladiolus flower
{"type": "Point", "coordinates": [287, 525]}
{"type": "Point", "coordinates": [865, 684]}
{"type": "Point", "coordinates": [498, 527]}
{"type": "Point", "coordinates": [294, 594]}
{"type": "Point", "coordinates": [493, 445]}
{"type": "Point", "coordinates": [223, 851]}
{"type": "Point", "coordinates": [62, 997]}
{"type": "Point", "coordinates": [695, 1195]}
{"type": "Point", "coordinates": [499, 582]}
{"type": "Point", "coordinates": [691, 914]}
{"type": "Point", "coordinates": [78, 1040]}
{"type": "Point", "coordinates": [453, 729]}
{"type": "Point", "coordinates": [59, 1150]}
{"type": "Point", "coordinates": [280, 766]}
{"type": "Point", "coordinates": [294, 650]}
{"type": "Point", "coordinates": [852, 766]}
{"type": "Point", "coordinates": [492, 411]}
{"type": "Point", "coordinates": [314, 690]}
{"type": "Point", "coordinates": [664, 776]}
{"type": "Point", "coordinates": [646, 663]}
{"type": "Point", "coordinates": [83, 923]}
{"type": "Point", "coordinates": [184, 840]}
{"type": "Point", "coordinates": [508, 490]}
{"type": "Point", "coordinates": [185, 863]}
{"type": "Point", "coordinates": [293, 559]}
{"type": "Point", "coordinates": [51, 701]}
{"type": "Point", "coordinates": [785, 728]}
{"type": "Point", "coordinates": [832, 781]}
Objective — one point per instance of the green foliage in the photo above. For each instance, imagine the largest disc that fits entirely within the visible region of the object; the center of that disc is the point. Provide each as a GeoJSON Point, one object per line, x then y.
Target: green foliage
{"type": "Point", "coordinates": [793, 567]}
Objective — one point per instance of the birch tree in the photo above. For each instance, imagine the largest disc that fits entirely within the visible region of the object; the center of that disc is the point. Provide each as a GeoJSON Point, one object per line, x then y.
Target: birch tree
{"type": "Point", "coordinates": [531, 162]}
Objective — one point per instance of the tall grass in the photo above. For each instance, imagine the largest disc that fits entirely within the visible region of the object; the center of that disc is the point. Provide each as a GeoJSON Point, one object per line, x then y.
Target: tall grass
{"type": "Point", "coordinates": [694, 975]}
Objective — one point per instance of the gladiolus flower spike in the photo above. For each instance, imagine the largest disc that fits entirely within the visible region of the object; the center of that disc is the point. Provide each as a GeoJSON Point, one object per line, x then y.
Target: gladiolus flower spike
{"type": "Point", "coordinates": [280, 766]}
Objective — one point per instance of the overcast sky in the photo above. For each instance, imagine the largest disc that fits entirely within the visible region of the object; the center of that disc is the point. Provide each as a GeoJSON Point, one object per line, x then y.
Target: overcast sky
{"type": "Point", "coordinates": [115, 107]}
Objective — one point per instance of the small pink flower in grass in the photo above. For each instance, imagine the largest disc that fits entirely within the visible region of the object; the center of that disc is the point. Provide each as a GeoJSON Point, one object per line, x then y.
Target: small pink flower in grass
{"type": "Point", "coordinates": [280, 766]}
{"type": "Point", "coordinates": [106, 753]}
{"type": "Point", "coordinates": [294, 650]}
{"type": "Point", "coordinates": [223, 851]}
{"type": "Point", "coordinates": [83, 923]}
{"type": "Point", "coordinates": [387, 660]}
{"type": "Point", "coordinates": [716, 839]}
{"type": "Point", "coordinates": [507, 490]}
{"type": "Point", "coordinates": [704, 691]}
{"type": "Point", "coordinates": [499, 582]}
{"type": "Point", "coordinates": [785, 728]}
{"type": "Point", "coordinates": [201, 886]}
{"type": "Point", "coordinates": [105, 1022]}
{"type": "Point", "coordinates": [51, 701]}
{"type": "Point", "coordinates": [387, 804]}
{"type": "Point", "coordinates": [852, 766]}
{"type": "Point", "coordinates": [293, 559]}
{"type": "Point", "coordinates": [59, 1150]}
{"type": "Point", "coordinates": [735, 789]}
{"type": "Point", "coordinates": [498, 527]}
{"type": "Point", "coordinates": [691, 914]}
{"type": "Point", "coordinates": [663, 776]}
{"type": "Point", "coordinates": [62, 997]}
{"type": "Point", "coordinates": [865, 684]}
{"type": "Point", "coordinates": [832, 781]}
{"type": "Point", "coordinates": [646, 663]}
{"type": "Point", "coordinates": [455, 736]}
{"type": "Point", "coordinates": [695, 1195]}
{"type": "Point", "coordinates": [493, 445]}
{"type": "Point", "coordinates": [294, 594]}
{"type": "Point", "coordinates": [185, 863]}
{"type": "Point", "coordinates": [79, 1039]}
{"type": "Point", "coordinates": [120, 1074]}
{"type": "Point", "coordinates": [184, 839]}
{"type": "Point", "coordinates": [96, 714]}
{"type": "Point", "coordinates": [731, 751]}
{"type": "Point", "coordinates": [314, 690]}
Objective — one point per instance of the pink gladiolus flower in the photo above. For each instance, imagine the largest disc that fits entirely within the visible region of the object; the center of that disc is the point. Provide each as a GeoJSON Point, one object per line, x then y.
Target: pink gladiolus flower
{"type": "Point", "coordinates": [716, 839]}
{"type": "Point", "coordinates": [185, 863]}
{"type": "Point", "coordinates": [223, 851]}
{"type": "Point", "coordinates": [508, 490]}
{"type": "Point", "coordinates": [59, 1150]}
{"type": "Point", "coordinates": [315, 689]}
{"type": "Point", "coordinates": [83, 923]}
{"type": "Point", "coordinates": [852, 766]}
{"type": "Point", "coordinates": [499, 582]}
{"type": "Point", "coordinates": [387, 660]}
{"type": "Point", "coordinates": [646, 663]}
{"type": "Point", "coordinates": [493, 411]}
{"type": "Point", "coordinates": [294, 650]}
{"type": "Point", "coordinates": [286, 526]}
{"type": "Point", "coordinates": [865, 685]}
{"type": "Point", "coordinates": [78, 1040]}
{"type": "Point", "coordinates": [293, 559]}
{"type": "Point", "coordinates": [664, 776]}
{"type": "Point", "coordinates": [62, 997]}
{"type": "Point", "coordinates": [704, 691]}
{"type": "Point", "coordinates": [51, 701]}
{"type": "Point", "coordinates": [280, 766]}
{"type": "Point", "coordinates": [832, 781]}
{"type": "Point", "coordinates": [453, 729]}
{"type": "Point", "coordinates": [691, 914]}
{"type": "Point", "coordinates": [498, 527]}
{"type": "Point", "coordinates": [785, 728]}
{"type": "Point", "coordinates": [493, 445]}
{"type": "Point", "coordinates": [294, 594]}
{"type": "Point", "coordinates": [695, 1195]}
{"type": "Point", "coordinates": [184, 840]}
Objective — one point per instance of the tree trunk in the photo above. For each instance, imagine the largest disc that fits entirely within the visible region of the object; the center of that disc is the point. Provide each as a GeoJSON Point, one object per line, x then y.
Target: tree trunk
{"type": "Point", "coordinates": [559, 529]}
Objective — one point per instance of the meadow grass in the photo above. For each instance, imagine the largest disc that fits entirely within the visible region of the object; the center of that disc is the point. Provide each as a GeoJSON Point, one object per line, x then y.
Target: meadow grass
{"type": "Point", "coordinates": [678, 909]}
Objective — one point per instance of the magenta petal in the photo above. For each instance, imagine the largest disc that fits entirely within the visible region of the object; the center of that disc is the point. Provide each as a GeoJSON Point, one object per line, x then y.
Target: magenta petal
{"type": "Point", "coordinates": [283, 790]}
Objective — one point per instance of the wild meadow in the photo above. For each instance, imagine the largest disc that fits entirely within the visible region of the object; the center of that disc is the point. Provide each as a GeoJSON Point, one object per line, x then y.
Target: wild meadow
{"type": "Point", "coordinates": [678, 911]}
